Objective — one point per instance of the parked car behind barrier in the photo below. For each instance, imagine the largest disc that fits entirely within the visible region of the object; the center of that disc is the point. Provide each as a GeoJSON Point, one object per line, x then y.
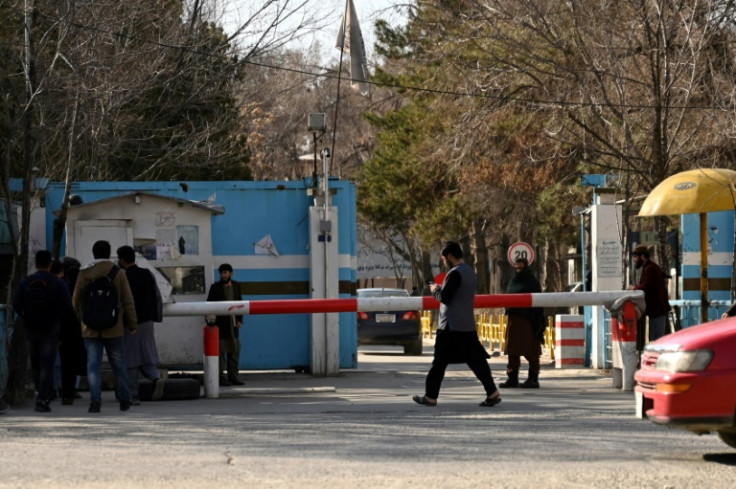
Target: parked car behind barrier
{"type": "Point", "coordinates": [688, 380]}
{"type": "Point", "coordinates": [403, 328]}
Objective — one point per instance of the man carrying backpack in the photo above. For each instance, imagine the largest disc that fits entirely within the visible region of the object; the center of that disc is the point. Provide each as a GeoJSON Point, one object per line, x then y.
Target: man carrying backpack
{"type": "Point", "coordinates": [41, 299]}
{"type": "Point", "coordinates": [104, 304]}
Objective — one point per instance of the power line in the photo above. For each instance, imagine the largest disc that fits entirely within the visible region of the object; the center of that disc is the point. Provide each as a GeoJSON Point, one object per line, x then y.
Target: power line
{"type": "Point", "coordinates": [325, 73]}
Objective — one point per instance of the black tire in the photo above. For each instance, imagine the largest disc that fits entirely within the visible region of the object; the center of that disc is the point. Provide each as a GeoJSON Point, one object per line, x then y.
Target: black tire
{"type": "Point", "coordinates": [728, 438]}
{"type": "Point", "coordinates": [169, 390]}
{"type": "Point", "coordinates": [413, 348]}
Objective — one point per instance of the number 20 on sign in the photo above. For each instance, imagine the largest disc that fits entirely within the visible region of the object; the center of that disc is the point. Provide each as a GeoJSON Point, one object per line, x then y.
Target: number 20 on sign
{"type": "Point", "coordinates": [520, 250]}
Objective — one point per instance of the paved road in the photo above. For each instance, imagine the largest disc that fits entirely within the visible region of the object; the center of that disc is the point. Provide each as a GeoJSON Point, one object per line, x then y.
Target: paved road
{"type": "Point", "coordinates": [361, 430]}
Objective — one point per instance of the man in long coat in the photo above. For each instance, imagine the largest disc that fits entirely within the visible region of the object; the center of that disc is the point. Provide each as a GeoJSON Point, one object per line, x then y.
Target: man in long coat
{"type": "Point", "coordinates": [141, 353]}
{"type": "Point", "coordinates": [228, 290]}
{"type": "Point", "coordinates": [524, 329]}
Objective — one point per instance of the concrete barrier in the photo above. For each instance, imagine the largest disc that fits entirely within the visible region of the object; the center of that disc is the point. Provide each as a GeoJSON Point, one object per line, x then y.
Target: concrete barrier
{"type": "Point", "coordinates": [570, 341]}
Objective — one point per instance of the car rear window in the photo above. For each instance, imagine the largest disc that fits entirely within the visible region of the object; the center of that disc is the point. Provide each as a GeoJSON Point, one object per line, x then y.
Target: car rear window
{"type": "Point", "coordinates": [382, 293]}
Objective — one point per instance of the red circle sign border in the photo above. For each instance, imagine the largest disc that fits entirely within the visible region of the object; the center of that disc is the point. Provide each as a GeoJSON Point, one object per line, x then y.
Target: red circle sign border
{"type": "Point", "coordinates": [524, 245]}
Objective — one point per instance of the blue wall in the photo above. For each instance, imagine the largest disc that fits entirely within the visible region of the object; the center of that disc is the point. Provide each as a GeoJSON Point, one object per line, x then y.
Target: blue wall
{"type": "Point", "coordinates": [720, 260]}
{"type": "Point", "coordinates": [253, 209]}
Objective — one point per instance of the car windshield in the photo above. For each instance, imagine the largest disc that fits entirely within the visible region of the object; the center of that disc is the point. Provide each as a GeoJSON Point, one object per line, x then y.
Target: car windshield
{"type": "Point", "coordinates": [368, 293]}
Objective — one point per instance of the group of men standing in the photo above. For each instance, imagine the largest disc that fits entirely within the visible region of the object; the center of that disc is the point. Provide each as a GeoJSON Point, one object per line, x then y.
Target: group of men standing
{"type": "Point", "coordinates": [56, 312]}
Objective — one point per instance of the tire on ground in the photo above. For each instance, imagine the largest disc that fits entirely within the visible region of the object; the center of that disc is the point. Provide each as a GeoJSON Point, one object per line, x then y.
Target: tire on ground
{"type": "Point", "coordinates": [169, 390]}
{"type": "Point", "coordinates": [414, 348]}
{"type": "Point", "coordinates": [728, 438]}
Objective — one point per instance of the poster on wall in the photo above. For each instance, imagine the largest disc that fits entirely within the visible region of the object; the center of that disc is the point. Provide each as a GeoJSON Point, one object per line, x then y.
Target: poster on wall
{"type": "Point", "coordinates": [187, 240]}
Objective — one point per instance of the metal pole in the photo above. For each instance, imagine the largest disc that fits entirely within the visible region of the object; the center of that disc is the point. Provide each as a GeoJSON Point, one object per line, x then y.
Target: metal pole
{"type": "Point", "coordinates": [582, 248]}
{"type": "Point", "coordinates": [703, 267]}
{"type": "Point", "coordinates": [211, 362]}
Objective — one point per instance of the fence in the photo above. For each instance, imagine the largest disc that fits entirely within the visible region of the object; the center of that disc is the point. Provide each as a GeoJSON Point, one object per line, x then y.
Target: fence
{"type": "Point", "coordinates": [492, 331]}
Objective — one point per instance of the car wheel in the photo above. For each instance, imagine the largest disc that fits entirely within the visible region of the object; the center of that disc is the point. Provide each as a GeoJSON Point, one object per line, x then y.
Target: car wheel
{"type": "Point", "coordinates": [413, 348]}
{"type": "Point", "coordinates": [728, 438]}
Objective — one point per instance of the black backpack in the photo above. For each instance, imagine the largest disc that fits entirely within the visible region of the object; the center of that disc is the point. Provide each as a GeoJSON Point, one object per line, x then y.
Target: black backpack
{"type": "Point", "coordinates": [37, 306]}
{"type": "Point", "coordinates": [100, 306]}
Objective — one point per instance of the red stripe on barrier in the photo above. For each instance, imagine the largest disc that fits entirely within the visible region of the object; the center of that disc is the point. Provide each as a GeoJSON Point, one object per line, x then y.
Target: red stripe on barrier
{"type": "Point", "coordinates": [570, 342]}
{"type": "Point", "coordinates": [307, 306]}
{"type": "Point", "coordinates": [499, 300]}
{"type": "Point", "coordinates": [571, 324]}
{"type": "Point", "coordinates": [430, 303]}
{"type": "Point", "coordinates": [570, 361]}
{"type": "Point", "coordinates": [504, 300]}
{"type": "Point", "coordinates": [211, 341]}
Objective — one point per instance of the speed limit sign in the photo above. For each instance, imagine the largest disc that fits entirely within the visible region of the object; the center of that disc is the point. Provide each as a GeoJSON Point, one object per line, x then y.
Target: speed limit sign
{"type": "Point", "coordinates": [520, 250]}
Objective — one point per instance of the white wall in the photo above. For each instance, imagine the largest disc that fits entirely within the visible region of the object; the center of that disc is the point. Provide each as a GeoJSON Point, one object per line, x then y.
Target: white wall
{"type": "Point", "coordinates": [158, 222]}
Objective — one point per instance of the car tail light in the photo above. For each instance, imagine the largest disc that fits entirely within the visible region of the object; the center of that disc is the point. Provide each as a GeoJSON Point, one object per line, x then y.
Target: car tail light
{"type": "Point", "coordinates": [362, 315]}
{"type": "Point", "coordinates": [409, 315]}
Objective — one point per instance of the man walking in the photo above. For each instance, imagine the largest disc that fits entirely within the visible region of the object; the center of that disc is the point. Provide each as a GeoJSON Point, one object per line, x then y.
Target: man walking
{"type": "Point", "coordinates": [99, 280]}
{"type": "Point", "coordinates": [228, 289]}
{"type": "Point", "coordinates": [141, 354]}
{"type": "Point", "coordinates": [41, 299]}
{"type": "Point", "coordinates": [524, 330]}
{"type": "Point", "coordinates": [457, 339]}
{"type": "Point", "coordinates": [652, 282]}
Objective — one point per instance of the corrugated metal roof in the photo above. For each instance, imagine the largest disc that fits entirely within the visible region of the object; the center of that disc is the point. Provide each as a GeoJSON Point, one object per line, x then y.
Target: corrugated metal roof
{"type": "Point", "coordinates": [212, 207]}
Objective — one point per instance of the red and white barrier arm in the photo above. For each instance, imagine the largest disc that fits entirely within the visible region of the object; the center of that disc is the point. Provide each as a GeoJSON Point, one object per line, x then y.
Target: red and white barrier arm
{"type": "Point", "coordinates": [310, 306]}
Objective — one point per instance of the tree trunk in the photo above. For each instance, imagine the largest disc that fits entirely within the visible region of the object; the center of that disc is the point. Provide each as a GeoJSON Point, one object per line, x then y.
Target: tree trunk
{"type": "Point", "coordinates": [482, 268]}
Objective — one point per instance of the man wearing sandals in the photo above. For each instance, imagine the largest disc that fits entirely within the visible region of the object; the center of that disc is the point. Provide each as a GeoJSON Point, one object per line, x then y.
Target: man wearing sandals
{"type": "Point", "coordinates": [457, 339]}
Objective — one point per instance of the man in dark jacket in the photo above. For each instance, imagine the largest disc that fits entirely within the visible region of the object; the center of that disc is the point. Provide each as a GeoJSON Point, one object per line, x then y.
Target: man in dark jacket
{"type": "Point", "coordinates": [141, 354]}
{"type": "Point", "coordinates": [652, 282]}
{"type": "Point", "coordinates": [457, 338]}
{"type": "Point", "coordinates": [41, 299]}
{"type": "Point", "coordinates": [524, 329]}
{"type": "Point", "coordinates": [229, 326]}
{"type": "Point", "coordinates": [72, 354]}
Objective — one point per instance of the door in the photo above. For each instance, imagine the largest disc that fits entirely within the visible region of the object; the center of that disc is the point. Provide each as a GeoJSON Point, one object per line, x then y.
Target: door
{"type": "Point", "coordinates": [117, 232]}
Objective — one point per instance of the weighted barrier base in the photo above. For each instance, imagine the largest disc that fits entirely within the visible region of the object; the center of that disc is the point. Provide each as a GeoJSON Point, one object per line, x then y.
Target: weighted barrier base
{"type": "Point", "coordinates": [169, 390]}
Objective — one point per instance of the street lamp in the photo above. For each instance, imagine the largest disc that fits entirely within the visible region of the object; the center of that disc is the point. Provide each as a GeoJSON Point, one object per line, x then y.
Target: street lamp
{"type": "Point", "coordinates": [579, 210]}
{"type": "Point", "coordinates": [317, 125]}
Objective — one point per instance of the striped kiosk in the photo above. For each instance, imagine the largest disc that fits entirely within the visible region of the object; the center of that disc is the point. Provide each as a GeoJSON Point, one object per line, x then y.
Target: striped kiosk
{"type": "Point", "coordinates": [570, 343]}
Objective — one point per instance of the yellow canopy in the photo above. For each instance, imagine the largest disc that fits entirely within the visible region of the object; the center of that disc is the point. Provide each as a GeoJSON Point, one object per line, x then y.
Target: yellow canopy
{"type": "Point", "coordinates": [691, 192]}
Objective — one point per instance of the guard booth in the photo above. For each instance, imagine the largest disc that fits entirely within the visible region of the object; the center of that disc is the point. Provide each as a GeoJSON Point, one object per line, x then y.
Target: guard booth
{"type": "Point", "coordinates": [185, 230]}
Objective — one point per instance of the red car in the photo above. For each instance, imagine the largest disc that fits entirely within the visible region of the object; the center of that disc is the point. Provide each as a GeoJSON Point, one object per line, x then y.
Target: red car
{"type": "Point", "coordinates": [688, 380]}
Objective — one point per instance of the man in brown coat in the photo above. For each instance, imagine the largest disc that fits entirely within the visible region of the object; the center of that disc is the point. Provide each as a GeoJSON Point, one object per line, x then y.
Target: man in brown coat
{"type": "Point", "coordinates": [111, 338]}
{"type": "Point", "coordinates": [524, 329]}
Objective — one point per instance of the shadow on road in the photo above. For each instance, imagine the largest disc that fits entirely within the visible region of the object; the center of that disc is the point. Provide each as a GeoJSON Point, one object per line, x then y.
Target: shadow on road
{"type": "Point", "coordinates": [721, 458]}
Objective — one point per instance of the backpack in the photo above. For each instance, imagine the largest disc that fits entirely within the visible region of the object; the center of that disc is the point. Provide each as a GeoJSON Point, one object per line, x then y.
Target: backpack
{"type": "Point", "coordinates": [36, 305]}
{"type": "Point", "coordinates": [100, 305]}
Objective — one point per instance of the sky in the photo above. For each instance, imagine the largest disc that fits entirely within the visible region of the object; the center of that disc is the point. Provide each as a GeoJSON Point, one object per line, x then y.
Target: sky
{"type": "Point", "coordinates": [368, 12]}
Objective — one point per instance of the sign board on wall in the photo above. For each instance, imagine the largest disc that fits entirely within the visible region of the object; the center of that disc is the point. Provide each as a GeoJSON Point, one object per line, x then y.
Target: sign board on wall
{"type": "Point", "coordinates": [609, 258]}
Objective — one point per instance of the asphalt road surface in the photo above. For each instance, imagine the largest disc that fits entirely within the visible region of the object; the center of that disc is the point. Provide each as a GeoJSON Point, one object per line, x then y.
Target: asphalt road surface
{"type": "Point", "coordinates": [361, 430]}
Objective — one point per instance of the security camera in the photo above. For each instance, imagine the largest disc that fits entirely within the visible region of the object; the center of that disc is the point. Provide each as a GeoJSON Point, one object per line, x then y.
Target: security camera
{"type": "Point", "coordinates": [326, 152]}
